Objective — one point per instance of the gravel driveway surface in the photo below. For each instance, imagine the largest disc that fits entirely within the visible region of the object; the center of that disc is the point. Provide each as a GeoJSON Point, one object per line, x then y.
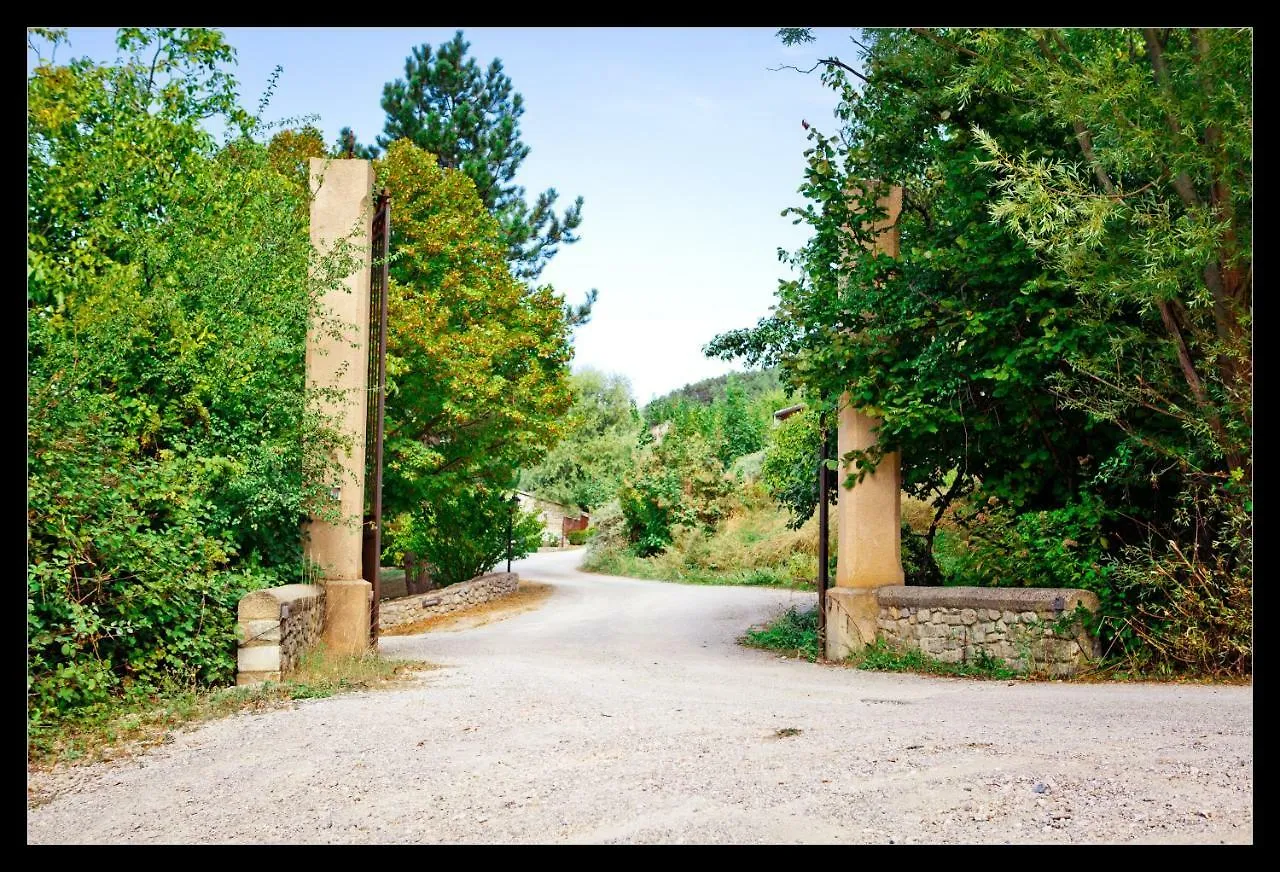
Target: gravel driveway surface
{"type": "Point", "coordinates": [623, 711]}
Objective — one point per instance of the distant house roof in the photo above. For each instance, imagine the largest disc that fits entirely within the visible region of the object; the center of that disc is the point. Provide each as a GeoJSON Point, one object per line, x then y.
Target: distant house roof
{"type": "Point", "coordinates": [784, 414]}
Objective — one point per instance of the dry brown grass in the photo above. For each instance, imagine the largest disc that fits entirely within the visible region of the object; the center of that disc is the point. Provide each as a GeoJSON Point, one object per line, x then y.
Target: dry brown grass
{"type": "Point", "coordinates": [528, 596]}
{"type": "Point", "coordinates": [126, 727]}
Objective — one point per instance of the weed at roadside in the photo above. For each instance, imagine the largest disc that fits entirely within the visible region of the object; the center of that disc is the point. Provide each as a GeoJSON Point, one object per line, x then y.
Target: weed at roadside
{"type": "Point", "coordinates": [121, 726]}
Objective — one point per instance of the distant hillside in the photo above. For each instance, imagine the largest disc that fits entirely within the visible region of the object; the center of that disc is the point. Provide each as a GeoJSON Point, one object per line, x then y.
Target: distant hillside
{"type": "Point", "coordinates": [755, 384]}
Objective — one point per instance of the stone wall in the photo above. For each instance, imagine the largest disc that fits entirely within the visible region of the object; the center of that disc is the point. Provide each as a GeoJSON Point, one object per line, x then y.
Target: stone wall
{"type": "Point", "coordinates": [276, 627]}
{"type": "Point", "coordinates": [553, 515]}
{"type": "Point", "coordinates": [1014, 625]}
{"type": "Point", "coordinates": [478, 590]}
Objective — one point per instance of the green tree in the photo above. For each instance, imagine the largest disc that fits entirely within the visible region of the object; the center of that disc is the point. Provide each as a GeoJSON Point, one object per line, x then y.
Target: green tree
{"type": "Point", "coordinates": [677, 481]}
{"type": "Point", "coordinates": [477, 362]}
{"type": "Point", "coordinates": [741, 429]}
{"type": "Point", "coordinates": [347, 144]}
{"type": "Point", "coordinates": [586, 467]}
{"type": "Point", "coordinates": [464, 534]}
{"type": "Point", "coordinates": [290, 150]}
{"type": "Point", "coordinates": [790, 469]}
{"type": "Point", "coordinates": [469, 118]}
{"type": "Point", "coordinates": [1063, 327]}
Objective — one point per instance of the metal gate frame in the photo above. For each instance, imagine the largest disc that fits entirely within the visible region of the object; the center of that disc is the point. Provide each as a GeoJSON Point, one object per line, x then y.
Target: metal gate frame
{"type": "Point", "coordinates": [371, 552]}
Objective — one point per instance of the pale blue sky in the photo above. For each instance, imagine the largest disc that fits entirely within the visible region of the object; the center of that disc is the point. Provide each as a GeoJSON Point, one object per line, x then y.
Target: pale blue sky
{"type": "Point", "coordinates": [684, 145]}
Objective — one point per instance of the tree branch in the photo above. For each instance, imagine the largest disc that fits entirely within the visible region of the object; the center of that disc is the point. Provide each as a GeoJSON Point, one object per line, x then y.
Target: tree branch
{"type": "Point", "coordinates": [1160, 70]}
{"type": "Point", "coordinates": [831, 62]}
{"type": "Point", "coordinates": [946, 43]}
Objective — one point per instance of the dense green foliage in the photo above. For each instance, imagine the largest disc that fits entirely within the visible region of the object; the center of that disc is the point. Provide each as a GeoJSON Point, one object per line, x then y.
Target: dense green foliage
{"type": "Point", "coordinates": [1063, 342]}
{"type": "Point", "coordinates": [601, 431]}
{"type": "Point", "coordinates": [790, 468]}
{"type": "Point", "coordinates": [469, 119]}
{"type": "Point", "coordinates": [751, 545]}
{"type": "Point", "coordinates": [733, 413]}
{"type": "Point", "coordinates": [170, 286]}
{"type": "Point", "coordinates": [676, 481]}
{"type": "Point", "coordinates": [755, 383]}
{"type": "Point", "coordinates": [463, 534]}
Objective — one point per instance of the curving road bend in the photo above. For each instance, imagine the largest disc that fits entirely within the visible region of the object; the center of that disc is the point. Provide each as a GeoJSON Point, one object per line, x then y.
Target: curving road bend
{"type": "Point", "coordinates": [623, 711]}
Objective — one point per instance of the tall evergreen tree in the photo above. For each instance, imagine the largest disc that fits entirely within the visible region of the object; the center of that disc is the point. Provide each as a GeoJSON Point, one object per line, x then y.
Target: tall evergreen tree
{"type": "Point", "coordinates": [347, 144]}
{"type": "Point", "coordinates": [469, 119]}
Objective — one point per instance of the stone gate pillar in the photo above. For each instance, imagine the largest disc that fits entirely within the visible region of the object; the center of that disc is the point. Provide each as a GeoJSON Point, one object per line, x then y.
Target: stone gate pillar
{"type": "Point", "coordinates": [869, 553]}
{"type": "Point", "coordinates": [341, 208]}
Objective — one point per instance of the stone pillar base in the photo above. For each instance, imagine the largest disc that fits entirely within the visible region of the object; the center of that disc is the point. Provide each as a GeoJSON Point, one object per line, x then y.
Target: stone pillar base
{"type": "Point", "coordinates": [346, 615]}
{"type": "Point", "coordinates": [852, 615]}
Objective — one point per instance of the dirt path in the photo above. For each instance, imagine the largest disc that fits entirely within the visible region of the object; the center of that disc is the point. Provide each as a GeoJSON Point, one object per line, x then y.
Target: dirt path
{"type": "Point", "coordinates": [623, 711]}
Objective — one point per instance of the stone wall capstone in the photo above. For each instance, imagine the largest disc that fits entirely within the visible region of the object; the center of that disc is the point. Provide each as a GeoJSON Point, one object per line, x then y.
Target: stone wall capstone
{"type": "Point", "coordinates": [482, 589]}
{"type": "Point", "coordinates": [276, 627]}
{"type": "Point", "coordinates": [1018, 626]}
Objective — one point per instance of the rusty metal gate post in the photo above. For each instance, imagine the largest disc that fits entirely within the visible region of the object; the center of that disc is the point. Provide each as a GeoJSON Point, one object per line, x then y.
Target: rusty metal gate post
{"type": "Point", "coordinates": [824, 481]}
{"type": "Point", "coordinates": [371, 552]}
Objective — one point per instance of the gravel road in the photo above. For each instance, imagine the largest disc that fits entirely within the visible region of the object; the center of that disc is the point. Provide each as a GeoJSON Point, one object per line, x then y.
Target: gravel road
{"type": "Point", "coordinates": [623, 711]}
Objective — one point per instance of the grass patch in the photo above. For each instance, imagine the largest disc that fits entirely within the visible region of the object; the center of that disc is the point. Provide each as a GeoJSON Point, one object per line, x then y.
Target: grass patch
{"type": "Point", "coordinates": [753, 547]}
{"type": "Point", "coordinates": [881, 657]}
{"type": "Point", "coordinates": [794, 632]}
{"type": "Point", "coordinates": [669, 567]}
{"type": "Point", "coordinates": [125, 726]}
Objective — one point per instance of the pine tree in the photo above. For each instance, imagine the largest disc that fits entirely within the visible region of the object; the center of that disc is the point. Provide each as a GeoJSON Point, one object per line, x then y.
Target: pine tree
{"type": "Point", "coordinates": [470, 120]}
{"type": "Point", "coordinates": [347, 144]}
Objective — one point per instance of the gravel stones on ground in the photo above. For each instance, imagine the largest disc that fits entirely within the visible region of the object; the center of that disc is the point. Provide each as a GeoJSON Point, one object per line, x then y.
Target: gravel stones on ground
{"type": "Point", "coordinates": [506, 743]}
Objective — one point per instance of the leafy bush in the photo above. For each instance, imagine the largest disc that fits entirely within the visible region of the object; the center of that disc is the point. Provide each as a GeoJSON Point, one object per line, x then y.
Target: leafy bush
{"type": "Point", "coordinates": [790, 468]}
{"type": "Point", "coordinates": [1066, 320]}
{"type": "Point", "coordinates": [465, 534]}
{"type": "Point", "coordinates": [1063, 547]}
{"type": "Point", "coordinates": [170, 440]}
{"type": "Point", "coordinates": [1190, 605]}
{"type": "Point", "coordinates": [677, 481]}
{"type": "Point", "coordinates": [580, 537]}
{"type": "Point", "coordinates": [752, 545]}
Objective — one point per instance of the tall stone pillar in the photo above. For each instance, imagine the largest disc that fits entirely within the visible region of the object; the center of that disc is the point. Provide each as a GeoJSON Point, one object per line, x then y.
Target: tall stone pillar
{"type": "Point", "coordinates": [869, 554]}
{"type": "Point", "coordinates": [341, 208]}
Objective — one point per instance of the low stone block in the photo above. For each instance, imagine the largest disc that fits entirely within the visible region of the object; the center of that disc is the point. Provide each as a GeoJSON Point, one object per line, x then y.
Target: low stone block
{"type": "Point", "coordinates": [259, 632]}
{"type": "Point", "coordinates": [851, 620]}
{"type": "Point", "coordinates": [968, 616]}
{"type": "Point", "coordinates": [262, 658]}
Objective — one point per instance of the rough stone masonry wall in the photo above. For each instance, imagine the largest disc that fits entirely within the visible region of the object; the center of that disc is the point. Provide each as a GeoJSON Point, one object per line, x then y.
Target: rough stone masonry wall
{"type": "Point", "coordinates": [1014, 625]}
{"type": "Point", "coordinates": [276, 627]}
{"type": "Point", "coordinates": [478, 590]}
